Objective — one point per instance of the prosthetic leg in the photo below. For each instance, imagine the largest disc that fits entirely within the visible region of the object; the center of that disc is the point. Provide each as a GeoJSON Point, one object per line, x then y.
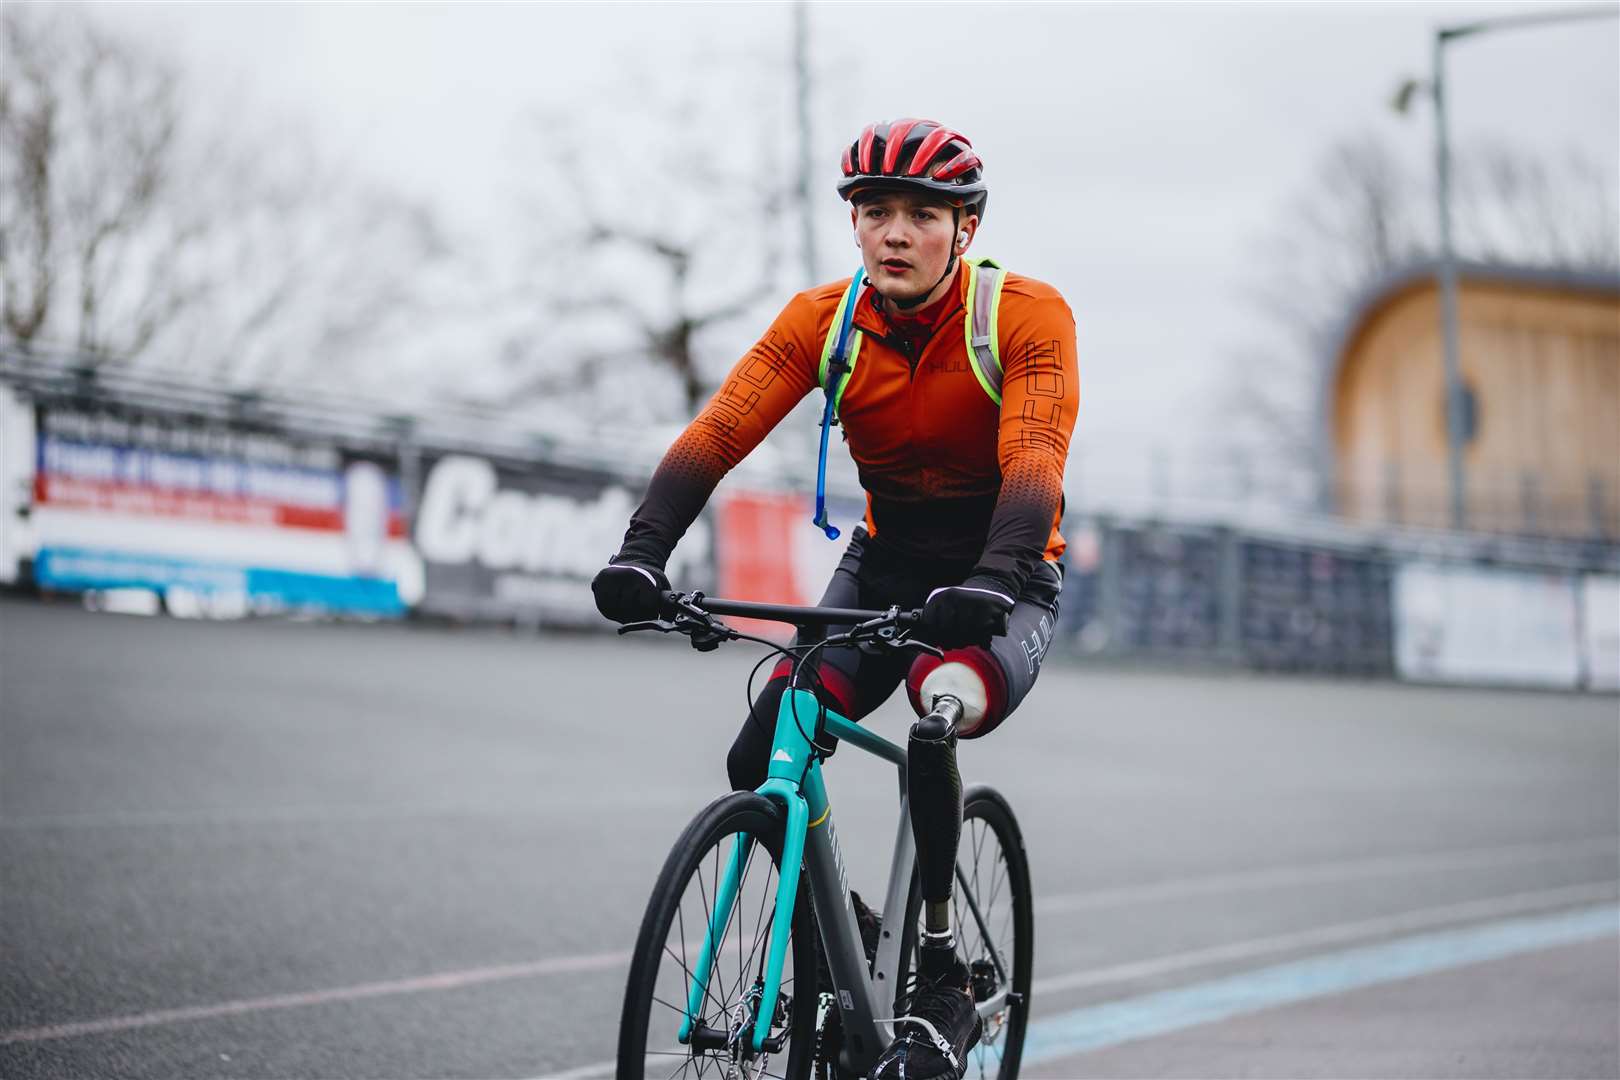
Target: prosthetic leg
{"type": "Point", "coordinates": [934, 789]}
{"type": "Point", "coordinates": [962, 694]}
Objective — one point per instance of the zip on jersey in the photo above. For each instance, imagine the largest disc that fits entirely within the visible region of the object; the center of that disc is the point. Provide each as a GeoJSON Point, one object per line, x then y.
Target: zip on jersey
{"type": "Point", "coordinates": [842, 349]}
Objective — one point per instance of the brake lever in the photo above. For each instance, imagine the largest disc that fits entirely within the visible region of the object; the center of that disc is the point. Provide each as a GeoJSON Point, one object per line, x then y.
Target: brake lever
{"type": "Point", "coordinates": [923, 646]}
{"type": "Point", "coordinates": [649, 624]}
{"type": "Point", "coordinates": [900, 644]}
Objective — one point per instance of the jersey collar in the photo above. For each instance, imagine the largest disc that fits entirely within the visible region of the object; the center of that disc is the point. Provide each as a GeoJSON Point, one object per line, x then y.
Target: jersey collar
{"type": "Point", "coordinates": [869, 318]}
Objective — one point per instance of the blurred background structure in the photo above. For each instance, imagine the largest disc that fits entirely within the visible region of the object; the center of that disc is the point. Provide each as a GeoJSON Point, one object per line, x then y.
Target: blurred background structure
{"type": "Point", "coordinates": [1541, 395]}
{"type": "Point", "coordinates": [256, 358]}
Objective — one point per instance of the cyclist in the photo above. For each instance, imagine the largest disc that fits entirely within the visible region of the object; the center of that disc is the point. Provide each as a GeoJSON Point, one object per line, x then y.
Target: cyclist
{"type": "Point", "coordinates": [960, 446]}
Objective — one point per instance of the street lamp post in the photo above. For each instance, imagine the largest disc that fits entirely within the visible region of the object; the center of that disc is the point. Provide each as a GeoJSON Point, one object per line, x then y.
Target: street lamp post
{"type": "Point", "coordinates": [1455, 398]}
{"type": "Point", "coordinates": [1448, 293]}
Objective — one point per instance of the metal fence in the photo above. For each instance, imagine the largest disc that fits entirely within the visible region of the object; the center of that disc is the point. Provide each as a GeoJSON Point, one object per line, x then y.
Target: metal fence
{"type": "Point", "coordinates": [471, 519]}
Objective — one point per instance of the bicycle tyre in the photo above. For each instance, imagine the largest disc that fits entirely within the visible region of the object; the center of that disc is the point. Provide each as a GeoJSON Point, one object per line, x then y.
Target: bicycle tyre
{"type": "Point", "coordinates": [655, 968]}
{"type": "Point", "coordinates": [1007, 903]}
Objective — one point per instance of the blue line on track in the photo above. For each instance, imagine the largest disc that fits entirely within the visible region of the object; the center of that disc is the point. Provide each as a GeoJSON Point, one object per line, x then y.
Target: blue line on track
{"type": "Point", "coordinates": [1099, 1026]}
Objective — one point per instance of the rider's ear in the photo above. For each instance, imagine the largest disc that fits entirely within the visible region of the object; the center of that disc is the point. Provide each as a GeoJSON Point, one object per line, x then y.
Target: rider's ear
{"type": "Point", "coordinates": [970, 225]}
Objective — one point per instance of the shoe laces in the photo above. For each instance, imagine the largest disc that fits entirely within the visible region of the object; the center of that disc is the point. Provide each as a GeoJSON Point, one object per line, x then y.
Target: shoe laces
{"type": "Point", "coordinates": [939, 1041]}
{"type": "Point", "coordinates": [931, 1007]}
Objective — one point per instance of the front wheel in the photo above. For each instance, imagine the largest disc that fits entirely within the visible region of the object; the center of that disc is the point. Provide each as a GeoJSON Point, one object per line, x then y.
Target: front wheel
{"type": "Point", "coordinates": [992, 908]}
{"type": "Point", "coordinates": [662, 969]}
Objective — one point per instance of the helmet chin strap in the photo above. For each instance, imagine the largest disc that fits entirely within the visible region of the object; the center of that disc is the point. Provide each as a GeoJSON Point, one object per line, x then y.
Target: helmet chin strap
{"type": "Point", "coordinates": [950, 265]}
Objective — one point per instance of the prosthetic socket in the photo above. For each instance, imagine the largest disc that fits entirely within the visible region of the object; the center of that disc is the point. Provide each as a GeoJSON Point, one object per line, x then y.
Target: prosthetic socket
{"type": "Point", "coordinates": [934, 788]}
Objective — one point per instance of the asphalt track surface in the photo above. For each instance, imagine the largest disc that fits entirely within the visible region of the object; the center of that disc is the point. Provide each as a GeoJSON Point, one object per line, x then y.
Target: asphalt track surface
{"type": "Point", "coordinates": [279, 850]}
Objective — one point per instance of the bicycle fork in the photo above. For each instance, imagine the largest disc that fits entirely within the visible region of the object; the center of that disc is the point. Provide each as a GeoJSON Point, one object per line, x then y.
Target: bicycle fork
{"type": "Point", "coordinates": [790, 780]}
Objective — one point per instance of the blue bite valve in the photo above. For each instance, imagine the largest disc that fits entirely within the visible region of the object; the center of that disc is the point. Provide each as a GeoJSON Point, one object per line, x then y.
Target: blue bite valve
{"type": "Point", "coordinates": [820, 520]}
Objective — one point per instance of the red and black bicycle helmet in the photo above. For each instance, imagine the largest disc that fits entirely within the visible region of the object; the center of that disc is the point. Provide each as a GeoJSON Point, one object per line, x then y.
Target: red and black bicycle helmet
{"type": "Point", "coordinates": [916, 155]}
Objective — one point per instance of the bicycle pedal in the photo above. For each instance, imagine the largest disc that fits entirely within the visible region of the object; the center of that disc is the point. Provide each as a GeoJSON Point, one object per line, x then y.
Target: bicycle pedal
{"type": "Point", "coordinates": [982, 978]}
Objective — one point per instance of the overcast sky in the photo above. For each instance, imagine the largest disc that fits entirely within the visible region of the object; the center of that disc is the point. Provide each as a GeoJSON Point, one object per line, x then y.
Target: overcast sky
{"type": "Point", "coordinates": [1134, 152]}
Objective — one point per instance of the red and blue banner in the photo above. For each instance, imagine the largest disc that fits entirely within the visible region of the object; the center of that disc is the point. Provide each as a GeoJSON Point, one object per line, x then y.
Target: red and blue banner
{"type": "Point", "coordinates": [193, 510]}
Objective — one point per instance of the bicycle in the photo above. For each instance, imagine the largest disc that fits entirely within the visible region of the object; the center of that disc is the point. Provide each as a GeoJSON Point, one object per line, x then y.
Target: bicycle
{"type": "Point", "coordinates": [716, 996]}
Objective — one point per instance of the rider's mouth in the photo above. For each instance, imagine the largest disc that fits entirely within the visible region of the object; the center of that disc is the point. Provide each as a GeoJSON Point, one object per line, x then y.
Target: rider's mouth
{"type": "Point", "coordinates": [896, 266]}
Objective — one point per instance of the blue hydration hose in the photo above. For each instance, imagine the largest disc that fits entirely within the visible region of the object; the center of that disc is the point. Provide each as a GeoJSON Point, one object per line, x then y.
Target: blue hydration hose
{"type": "Point", "coordinates": [837, 368]}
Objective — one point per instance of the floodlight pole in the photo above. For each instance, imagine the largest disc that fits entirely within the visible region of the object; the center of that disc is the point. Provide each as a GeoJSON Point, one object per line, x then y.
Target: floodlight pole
{"type": "Point", "coordinates": [801, 66]}
{"type": "Point", "coordinates": [1448, 258]}
{"type": "Point", "coordinates": [1448, 293]}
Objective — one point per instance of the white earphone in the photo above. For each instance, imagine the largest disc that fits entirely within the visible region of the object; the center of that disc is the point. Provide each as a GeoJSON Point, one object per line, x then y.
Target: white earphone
{"type": "Point", "coordinates": [962, 239]}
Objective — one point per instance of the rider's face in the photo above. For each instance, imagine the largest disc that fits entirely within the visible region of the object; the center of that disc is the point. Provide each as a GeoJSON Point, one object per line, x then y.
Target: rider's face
{"type": "Point", "coordinates": [906, 241]}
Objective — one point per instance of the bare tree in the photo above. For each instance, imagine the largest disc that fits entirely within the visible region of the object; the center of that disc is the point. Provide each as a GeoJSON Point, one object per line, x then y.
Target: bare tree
{"type": "Point", "coordinates": [660, 215]}
{"type": "Point", "coordinates": [1364, 213]}
{"type": "Point", "coordinates": [1520, 208]}
{"type": "Point", "coordinates": [143, 225]}
{"type": "Point", "coordinates": [93, 230]}
{"type": "Point", "coordinates": [27, 131]}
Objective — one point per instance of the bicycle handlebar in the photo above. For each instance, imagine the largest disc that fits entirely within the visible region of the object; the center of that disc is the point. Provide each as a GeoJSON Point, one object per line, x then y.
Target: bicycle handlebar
{"type": "Point", "coordinates": [694, 615]}
{"type": "Point", "coordinates": [789, 613]}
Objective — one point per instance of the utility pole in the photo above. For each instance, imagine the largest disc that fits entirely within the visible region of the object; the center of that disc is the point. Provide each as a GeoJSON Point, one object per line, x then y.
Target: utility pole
{"type": "Point", "coordinates": [1448, 294]}
{"type": "Point", "coordinates": [1456, 396]}
{"type": "Point", "coordinates": [801, 69]}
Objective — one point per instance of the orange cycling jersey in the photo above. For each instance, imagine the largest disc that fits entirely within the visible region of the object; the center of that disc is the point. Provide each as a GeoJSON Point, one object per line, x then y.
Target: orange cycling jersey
{"type": "Point", "coordinates": [950, 477]}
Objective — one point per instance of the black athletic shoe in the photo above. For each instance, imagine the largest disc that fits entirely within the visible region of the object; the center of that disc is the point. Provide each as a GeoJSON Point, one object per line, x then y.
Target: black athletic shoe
{"type": "Point", "coordinates": [938, 1028]}
{"type": "Point", "coordinates": [830, 1039]}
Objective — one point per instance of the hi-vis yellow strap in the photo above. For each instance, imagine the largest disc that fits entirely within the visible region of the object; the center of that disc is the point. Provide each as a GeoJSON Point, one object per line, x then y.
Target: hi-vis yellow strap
{"type": "Point", "coordinates": [844, 314]}
{"type": "Point", "coordinates": [980, 326]}
{"type": "Point", "coordinates": [983, 323]}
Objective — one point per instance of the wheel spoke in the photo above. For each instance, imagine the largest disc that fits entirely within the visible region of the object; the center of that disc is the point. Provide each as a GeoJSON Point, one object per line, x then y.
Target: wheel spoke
{"type": "Point", "coordinates": [691, 977]}
{"type": "Point", "coordinates": [679, 1010]}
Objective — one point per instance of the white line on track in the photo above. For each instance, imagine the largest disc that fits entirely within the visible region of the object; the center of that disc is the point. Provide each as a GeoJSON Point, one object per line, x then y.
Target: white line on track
{"type": "Point", "coordinates": [450, 980]}
{"type": "Point", "coordinates": [1337, 934]}
{"type": "Point", "coordinates": [1338, 870]}
{"type": "Point", "coordinates": [1064, 1035]}
{"type": "Point", "coordinates": [1439, 861]}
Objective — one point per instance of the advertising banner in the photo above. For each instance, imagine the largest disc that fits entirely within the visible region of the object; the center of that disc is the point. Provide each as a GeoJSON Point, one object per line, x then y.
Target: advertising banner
{"type": "Point", "coordinates": [511, 540]}
{"type": "Point", "coordinates": [216, 519]}
{"type": "Point", "coordinates": [1600, 631]}
{"type": "Point", "coordinates": [1466, 624]}
{"type": "Point", "coordinates": [16, 482]}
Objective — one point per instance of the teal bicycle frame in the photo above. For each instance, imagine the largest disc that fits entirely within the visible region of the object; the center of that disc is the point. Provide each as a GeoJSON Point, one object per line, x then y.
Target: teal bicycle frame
{"type": "Point", "coordinates": [794, 782]}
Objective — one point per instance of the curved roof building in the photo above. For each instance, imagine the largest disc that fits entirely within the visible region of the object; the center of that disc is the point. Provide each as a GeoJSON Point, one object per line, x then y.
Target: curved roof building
{"type": "Point", "coordinates": [1540, 359]}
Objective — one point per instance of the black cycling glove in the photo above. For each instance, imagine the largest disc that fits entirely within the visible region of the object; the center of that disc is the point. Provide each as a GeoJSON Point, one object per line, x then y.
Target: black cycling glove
{"type": "Point", "coordinates": [967, 614]}
{"type": "Point", "coordinates": [629, 592]}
